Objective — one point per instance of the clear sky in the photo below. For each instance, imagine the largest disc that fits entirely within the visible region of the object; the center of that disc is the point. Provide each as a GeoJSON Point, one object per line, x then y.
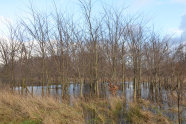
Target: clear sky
{"type": "Point", "coordinates": [167, 16]}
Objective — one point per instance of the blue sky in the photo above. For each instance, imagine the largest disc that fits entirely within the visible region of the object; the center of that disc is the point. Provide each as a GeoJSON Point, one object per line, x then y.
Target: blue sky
{"type": "Point", "coordinates": [167, 16]}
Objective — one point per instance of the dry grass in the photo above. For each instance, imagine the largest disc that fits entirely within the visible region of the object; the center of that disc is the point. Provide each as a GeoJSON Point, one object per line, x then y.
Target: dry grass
{"type": "Point", "coordinates": [16, 109]}
{"type": "Point", "coordinates": [113, 110]}
{"type": "Point", "coordinates": [136, 115]}
{"type": "Point", "coordinates": [104, 110]}
{"type": "Point", "coordinates": [19, 109]}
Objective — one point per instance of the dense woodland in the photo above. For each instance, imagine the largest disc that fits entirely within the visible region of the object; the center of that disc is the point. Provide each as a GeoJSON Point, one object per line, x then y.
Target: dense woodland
{"type": "Point", "coordinates": [109, 46]}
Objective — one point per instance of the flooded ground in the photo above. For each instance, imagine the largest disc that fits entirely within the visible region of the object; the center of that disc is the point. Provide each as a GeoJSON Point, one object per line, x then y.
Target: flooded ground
{"type": "Point", "coordinates": [159, 97]}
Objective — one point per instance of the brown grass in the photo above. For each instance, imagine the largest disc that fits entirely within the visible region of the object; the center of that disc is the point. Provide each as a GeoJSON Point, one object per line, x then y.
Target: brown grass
{"type": "Point", "coordinates": [139, 116]}
{"type": "Point", "coordinates": [16, 108]}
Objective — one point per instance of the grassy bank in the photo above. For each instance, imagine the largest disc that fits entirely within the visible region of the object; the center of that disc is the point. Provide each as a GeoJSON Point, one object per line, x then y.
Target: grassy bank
{"type": "Point", "coordinates": [35, 110]}
{"type": "Point", "coordinates": [18, 109]}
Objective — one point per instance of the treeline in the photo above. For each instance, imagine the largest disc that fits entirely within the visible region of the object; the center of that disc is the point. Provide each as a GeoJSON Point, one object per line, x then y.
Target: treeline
{"type": "Point", "coordinates": [110, 46]}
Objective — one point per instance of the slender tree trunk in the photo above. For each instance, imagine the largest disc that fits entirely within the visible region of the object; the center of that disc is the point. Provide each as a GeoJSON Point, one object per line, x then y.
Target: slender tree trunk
{"type": "Point", "coordinates": [32, 89]}
{"type": "Point", "coordinates": [135, 88]}
{"type": "Point", "coordinates": [82, 87]}
{"type": "Point", "coordinates": [22, 87]}
{"type": "Point", "coordinates": [97, 87]}
{"type": "Point", "coordinates": [123, 76]}
{"type": "Point", "coordinates": [178, 101]}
